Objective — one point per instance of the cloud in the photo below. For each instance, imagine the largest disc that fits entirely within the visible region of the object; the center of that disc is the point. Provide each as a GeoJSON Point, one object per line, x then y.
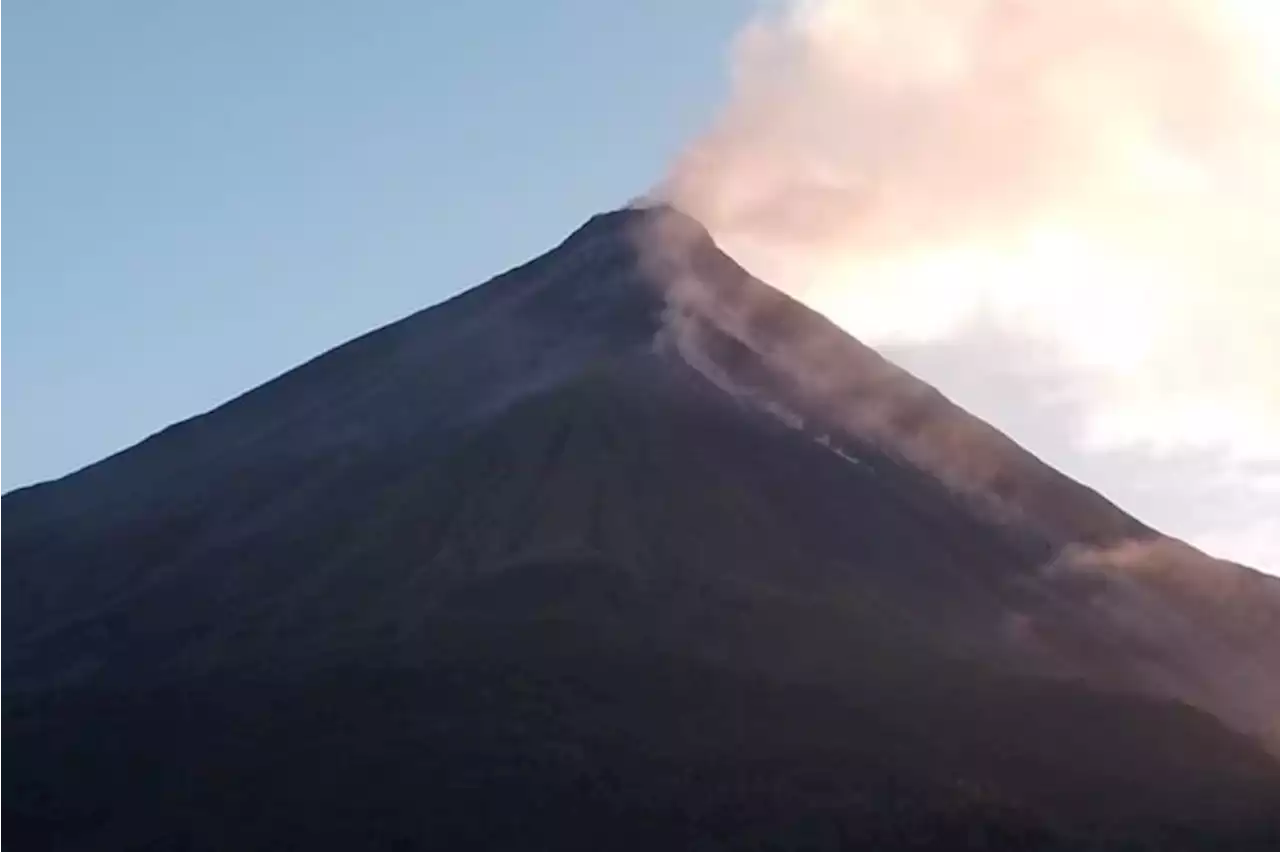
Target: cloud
{"type": "Point", "coordinates": [1094, 180]}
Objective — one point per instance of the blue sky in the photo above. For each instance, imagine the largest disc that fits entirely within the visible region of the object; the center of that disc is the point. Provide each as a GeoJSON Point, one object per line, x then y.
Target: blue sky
{"type": "Point", "coordinates": [203, 195]}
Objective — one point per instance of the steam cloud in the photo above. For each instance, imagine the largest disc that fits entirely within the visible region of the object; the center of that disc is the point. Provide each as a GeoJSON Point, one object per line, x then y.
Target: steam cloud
{"type": "Point", "coordinates": [1077, 202]}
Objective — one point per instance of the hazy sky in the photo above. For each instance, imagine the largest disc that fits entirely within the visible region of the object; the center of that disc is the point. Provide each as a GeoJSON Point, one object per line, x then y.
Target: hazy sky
{"type": "Point", "coordinates": [202, 195]}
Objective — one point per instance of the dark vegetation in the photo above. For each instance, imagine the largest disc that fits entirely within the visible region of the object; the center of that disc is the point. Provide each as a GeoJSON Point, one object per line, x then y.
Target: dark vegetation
{"type": "Point", "coordinates": [549, 738]}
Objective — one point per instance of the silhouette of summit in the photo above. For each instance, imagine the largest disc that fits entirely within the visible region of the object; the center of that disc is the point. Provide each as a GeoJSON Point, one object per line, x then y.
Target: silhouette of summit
{"type": "Point", "coordinates": [621, 549]}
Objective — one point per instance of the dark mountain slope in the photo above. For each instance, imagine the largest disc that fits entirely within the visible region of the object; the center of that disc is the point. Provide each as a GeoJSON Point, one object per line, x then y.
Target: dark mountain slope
{"type": "Point", "coordinates": [621, 548]}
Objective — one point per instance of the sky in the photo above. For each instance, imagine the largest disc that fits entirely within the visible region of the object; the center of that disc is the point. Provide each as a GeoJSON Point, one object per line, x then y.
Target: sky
{"type": "Point", "coordinates": [203, 195]}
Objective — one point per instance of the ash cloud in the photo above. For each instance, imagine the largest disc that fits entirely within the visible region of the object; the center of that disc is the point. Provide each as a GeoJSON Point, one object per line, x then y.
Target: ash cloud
{"type": "Point", "coordinates": [1093, 181]}
{"type": "Point", "coordinates": [1209, 631]}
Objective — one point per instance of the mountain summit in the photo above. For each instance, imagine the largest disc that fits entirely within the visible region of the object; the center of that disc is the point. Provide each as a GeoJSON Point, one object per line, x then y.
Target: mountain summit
{"type": "Point", "coordinates": [621, 549]}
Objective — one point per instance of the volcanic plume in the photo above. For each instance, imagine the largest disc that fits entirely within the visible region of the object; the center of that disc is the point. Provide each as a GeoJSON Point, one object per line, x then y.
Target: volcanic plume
{"type": "Point", "coordinates": [1062, 213]}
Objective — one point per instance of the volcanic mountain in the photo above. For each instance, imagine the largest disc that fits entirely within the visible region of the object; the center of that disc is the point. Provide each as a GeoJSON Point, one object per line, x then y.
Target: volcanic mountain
{"type": "Point", "coordinates": [622, 549]}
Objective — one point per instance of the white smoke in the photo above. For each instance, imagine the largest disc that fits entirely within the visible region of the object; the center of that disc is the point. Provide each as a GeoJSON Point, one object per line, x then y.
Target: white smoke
{"type": "Point", "coordinates": [1095, 179]}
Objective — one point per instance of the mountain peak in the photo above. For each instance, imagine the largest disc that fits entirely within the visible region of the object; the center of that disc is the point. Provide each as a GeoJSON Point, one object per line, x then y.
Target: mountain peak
{"type": "Point", "coordinates": [651, 228]}
{"type": "Point", "coordinates": [514, 543]}
{"type": "Point", "coordinates": [639, 212]}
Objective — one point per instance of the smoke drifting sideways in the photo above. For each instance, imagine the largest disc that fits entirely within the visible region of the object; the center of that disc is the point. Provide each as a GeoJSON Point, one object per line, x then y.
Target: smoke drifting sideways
{"type": "Point", "coordinates": [1064, 215]}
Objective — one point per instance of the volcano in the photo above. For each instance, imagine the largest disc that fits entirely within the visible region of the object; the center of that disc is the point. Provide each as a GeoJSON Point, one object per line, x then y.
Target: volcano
{"type": "Point", "coordinates": [623, 549]}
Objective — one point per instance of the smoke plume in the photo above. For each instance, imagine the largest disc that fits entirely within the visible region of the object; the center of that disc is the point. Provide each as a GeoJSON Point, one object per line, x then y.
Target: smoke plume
{"type": "Point", "coordinates": [1092, 185]}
